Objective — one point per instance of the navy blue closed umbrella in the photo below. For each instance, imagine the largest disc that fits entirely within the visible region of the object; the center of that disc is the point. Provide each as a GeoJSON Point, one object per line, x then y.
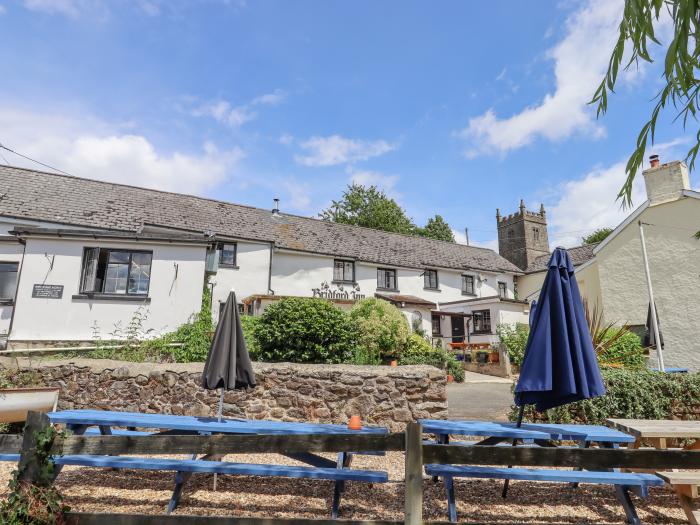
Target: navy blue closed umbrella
{"type": "Point", "coordinates": [560, 365]}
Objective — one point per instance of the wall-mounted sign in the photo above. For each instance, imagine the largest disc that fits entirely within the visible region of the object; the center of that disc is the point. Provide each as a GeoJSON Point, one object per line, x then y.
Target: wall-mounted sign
{"type": "Point", "coordinates": [326, 292]}
{"type": "Point", "coordinates": [47, 291]}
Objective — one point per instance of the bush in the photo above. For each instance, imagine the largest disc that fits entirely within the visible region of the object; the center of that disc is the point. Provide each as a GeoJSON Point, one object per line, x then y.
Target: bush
{"type": "Point", "coordinates": [383, 330]}
{"type": "Point", "coordinates": [626, 351]}
{"type": "Point", "coordinates": [250, 325]}
{"type": "Point", "coordinates": [305, 330]}
{"type": "Point", "coordinates": [420, 352]}
{"type": "Point", "coordinates": [514, 336]}
{"type": "Point", "coordinates": [634, 394]}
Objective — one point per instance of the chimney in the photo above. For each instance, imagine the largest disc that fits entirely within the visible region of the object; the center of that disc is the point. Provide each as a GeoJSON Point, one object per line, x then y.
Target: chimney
{"type": "Point", "coordinates": [665, 182]}
{"type": "Point", "coordinates": [276, 207]}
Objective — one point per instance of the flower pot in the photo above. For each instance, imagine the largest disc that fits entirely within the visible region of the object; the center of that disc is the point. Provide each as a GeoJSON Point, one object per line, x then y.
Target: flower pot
{"type": "Point", "coordinates": [394, 362]}
{"type": "Point", "coordinates": [450, 378]}
{"type": "Point", "coordinates": [355, 423]}
{"type": "Point", "coordinates": [468, 357]}
{"type": "Point", "coordinates": [16, 402]}
{"type": "Point", "coordinates": [482, 357]}
{"type": "Point", "coordinates": [493, 357]}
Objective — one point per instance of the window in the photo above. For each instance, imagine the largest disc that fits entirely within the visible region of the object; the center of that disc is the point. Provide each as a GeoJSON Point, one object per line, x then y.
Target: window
{"type": "Point", "coordinates": [468, 285]}
{"type": "Point", "coordinates": [227, 254]}
{"type": "Point", "coordinates": [437, 329]}
{"type": "Point", "coordinates": [502, 290]}
{"type": "Point", "coordinates": [430, 279]}
{"type": "Point", "coordinates": [8, 281]}
{"type": "Point", "coordinates": [386, 279]}
{"type": "Point", "coordinates": [482, 321]}
{"type": "Point", "coordinates": [536, 234]}
{"type": "Point", "coordinates": [343, 271]}
{"type": "Point", "coordinates": [115, 272]}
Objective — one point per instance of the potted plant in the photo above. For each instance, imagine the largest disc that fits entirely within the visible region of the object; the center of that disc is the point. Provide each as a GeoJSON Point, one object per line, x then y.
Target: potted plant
{"type": "Point", "coordinates": [482, 356]}
{"type": "Point", "coordinates": [493, 356]}
{"type": "Point", "coordinates": [468, 357]}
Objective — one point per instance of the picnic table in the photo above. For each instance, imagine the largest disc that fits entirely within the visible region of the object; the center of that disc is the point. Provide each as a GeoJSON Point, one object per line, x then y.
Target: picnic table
{"type": "Point", "coordinates": [658, 433]}
{"type": "Point", "coordinates": [544, 435]}
{"type": "Point", "coordinates": [104, 422]}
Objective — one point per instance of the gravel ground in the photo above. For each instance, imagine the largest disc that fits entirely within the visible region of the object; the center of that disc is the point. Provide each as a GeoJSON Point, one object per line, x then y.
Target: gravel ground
{"type": "Point", "coordinates": [126, 491]}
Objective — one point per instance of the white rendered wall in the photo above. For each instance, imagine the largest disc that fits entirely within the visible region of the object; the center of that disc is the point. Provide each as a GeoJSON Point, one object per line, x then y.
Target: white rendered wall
{"type": "Point", "coordinates": [674, 259]}
{"type": "Point", "coordinates": [173, 300]}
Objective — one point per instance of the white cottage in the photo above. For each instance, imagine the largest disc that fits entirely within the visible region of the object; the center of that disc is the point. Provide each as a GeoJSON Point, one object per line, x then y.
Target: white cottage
{"type": "Point", "coordinates": [81, 259]}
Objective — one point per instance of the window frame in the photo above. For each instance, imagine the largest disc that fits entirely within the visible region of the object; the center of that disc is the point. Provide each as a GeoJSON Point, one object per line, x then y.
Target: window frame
{"type": "Point", "coordinates": [396, 280]}
{"type": "Point", "coordinates": [484, 315]}
{"type": "Point", "coordinates": [101, 293]}
{"type": "Point", "coordinates": [426, 286]}
{"type": "Point", "coordinates": [466, 276]}
{"type": "Point", "coordinates": [344, 262]}
{"type": "Point", "coordinates": [433, 319]}
{"type": "Point", "coordinates": [220, 248]}
{"type": "Point", "coordinates": [502, 285]}
{"type": "Point", "coordinates": [11, 300]}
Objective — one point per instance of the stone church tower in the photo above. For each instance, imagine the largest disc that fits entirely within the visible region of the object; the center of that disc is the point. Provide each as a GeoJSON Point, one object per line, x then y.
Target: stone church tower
{"type": "Point", "coordinates": [522, 236]}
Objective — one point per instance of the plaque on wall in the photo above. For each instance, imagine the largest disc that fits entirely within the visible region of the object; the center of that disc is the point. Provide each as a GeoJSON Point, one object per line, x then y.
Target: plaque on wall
{"type": "Point", "coordinates": [47, 291]}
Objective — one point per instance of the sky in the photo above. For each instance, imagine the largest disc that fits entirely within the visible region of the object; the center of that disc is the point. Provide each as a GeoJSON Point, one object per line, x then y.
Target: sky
{"type": "Point", "coordinates": [453, 107]}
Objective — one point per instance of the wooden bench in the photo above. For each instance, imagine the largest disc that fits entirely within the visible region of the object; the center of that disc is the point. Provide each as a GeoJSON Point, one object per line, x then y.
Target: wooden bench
{"type": "Point", "coordinates": [686, 486]}
{"type": "Point", "coordinates": [185, 468]}
{"type": "Point", "coordinates": [624, 482]}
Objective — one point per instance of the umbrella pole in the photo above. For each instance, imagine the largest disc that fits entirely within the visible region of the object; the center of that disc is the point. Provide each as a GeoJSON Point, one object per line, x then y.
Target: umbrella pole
{"type": "Point", "coordinates": [218, 415]}
{"type": "Point", "coordinates": [518, 424]}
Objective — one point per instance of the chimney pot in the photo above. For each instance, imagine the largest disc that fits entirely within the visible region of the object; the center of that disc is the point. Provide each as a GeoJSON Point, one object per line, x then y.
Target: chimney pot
{"type": "Point", "coordinates": [654, 160]}
{"type": "Point", "coordinates": [276, 208]}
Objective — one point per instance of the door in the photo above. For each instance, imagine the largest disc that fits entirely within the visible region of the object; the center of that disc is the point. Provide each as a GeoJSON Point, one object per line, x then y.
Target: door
{"type": "Point", "coordinates": [457, 329]}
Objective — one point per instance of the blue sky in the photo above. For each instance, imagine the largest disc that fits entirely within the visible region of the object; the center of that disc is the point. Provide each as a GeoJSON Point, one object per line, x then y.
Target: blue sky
{"type": "Point", "coordinates": [454, 107]}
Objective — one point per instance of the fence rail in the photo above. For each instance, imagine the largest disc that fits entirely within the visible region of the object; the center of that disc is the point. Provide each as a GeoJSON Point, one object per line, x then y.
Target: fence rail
{"type": "Point", "coordinates": [417, 454]}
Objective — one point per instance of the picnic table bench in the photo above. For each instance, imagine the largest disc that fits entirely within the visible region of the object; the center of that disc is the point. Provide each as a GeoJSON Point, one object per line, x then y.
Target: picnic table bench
{"type": "Point", "coordinates": [658, 433]}
{"type": "Point", "coordinates": [546, 435]}
{"type": "Point", "coordinates": [103, 422]}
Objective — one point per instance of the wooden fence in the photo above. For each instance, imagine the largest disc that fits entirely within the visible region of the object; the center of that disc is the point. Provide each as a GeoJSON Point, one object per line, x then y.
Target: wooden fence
{"type": "Point", "coordinates": [417, 454]}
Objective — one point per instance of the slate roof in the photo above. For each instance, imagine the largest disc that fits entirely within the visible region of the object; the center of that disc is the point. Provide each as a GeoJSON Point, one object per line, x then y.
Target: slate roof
{"type": "Point", "coordinates": [89, 203]}
{"type": "Point", "coordinates": [402, 298]}
{"type": "Point", "coordinates": [579, 255]}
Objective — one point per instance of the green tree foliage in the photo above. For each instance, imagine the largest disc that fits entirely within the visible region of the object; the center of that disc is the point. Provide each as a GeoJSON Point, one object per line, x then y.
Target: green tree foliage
{"type": "Point", "coordinates": [305, 330]}
{"type": "Point", "coordinates": [420, 352]}
{"type": "Point", "coordinates": [437, 228]}
{"type": "Point", "coordinates": [369, 207]}
{"type": "Point", "coordinates": [681, 89]}
{"type": "Point", "coordinates": [383, 330]}
{"type": "Point", "coordinates": [597, 236]}
{"type": "Point", "coordinates": [514, 336]}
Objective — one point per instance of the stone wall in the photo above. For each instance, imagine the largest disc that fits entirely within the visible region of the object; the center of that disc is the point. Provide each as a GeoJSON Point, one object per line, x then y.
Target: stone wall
{"type": "Point", "coordinates": [382, 395]}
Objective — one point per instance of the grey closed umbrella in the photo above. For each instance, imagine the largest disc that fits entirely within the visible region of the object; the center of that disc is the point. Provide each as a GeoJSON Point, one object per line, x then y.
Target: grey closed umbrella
{"type": "Point", "coordinates": [228, 365]}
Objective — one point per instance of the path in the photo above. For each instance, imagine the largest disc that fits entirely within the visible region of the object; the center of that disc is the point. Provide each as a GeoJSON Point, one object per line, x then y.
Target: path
{"type": "Point", "coordinates": [482, 397]}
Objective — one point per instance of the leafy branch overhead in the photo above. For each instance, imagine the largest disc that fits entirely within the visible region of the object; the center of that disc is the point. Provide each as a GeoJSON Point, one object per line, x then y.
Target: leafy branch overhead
{"type": "Point", "coordinates": [637, 31]}
{"type": "Point", "coordinates": [370, 207]}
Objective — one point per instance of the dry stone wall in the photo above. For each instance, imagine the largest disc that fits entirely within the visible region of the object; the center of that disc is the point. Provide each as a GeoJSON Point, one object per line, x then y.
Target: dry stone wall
{"type": "Point", "coordinates": [288, 392]}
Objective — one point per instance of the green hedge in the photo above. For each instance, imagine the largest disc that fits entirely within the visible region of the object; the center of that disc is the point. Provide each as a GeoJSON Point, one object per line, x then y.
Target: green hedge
{"type": "Point", "coordinates": [627, 351]}
{"type": "Point", "coordinates": [635, 394]}
{"type": "Point", "coordinates": [305, 330]}
{"type": "Point", "coordinates": [420, 352]}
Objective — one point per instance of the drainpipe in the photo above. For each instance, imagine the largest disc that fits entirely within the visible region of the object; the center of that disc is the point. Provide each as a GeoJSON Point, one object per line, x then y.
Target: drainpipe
{"type": "Point", "coordinates": [3, 345]}
{"type": "Point", "coordinates": [270, 291]}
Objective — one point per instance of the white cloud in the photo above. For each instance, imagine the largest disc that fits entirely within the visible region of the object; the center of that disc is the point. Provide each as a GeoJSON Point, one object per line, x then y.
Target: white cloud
{"type": "Point", "coordinates": [87, 147]}
{"type": "Point", "coordinates": [373, 178]}
{"type": "Point", "coordinates": [461, 238]}
{"type": "Point", "coordinates": [235, 116]}
{"type": "Point", "coordinates": [286, 139]}
{"type": "Point", "coordinates": [70, 8]}
{"type": "Point", "coordinates": [3, 10]}
{"type": "Point", "coordinates": [334, 150]}
{"type": "Point", "coordinates": [580, 60]}
{"type": "Point", "coordinates": [298, 193]}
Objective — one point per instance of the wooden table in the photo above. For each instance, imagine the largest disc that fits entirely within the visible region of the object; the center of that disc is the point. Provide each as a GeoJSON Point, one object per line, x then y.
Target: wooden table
{"type": "Point", "coordinates": [658, 432]}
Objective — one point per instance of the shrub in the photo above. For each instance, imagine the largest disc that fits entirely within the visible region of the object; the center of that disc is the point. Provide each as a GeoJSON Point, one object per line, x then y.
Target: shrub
{"type": "Point", "coordinates": [634, 394]}
{"type": "Point", "coordinates": [305, 330]}
{"type": "Point", "coordinates": [625, 350]}
{"type": "Point", "coordinates": [420, 352]}
{"type": "Point", "coordinates": [250, 325]}
{"type": "Point", "coordinates": [383, 330]}
{"type": "Point", "coordinates": [514, 336]}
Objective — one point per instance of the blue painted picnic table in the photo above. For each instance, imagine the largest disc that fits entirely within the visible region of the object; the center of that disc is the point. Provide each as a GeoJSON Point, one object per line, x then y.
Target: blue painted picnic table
{"type": "Point", "coordinates": [535, 434]}
{"type": "Point", "coordinates": [81, 421]}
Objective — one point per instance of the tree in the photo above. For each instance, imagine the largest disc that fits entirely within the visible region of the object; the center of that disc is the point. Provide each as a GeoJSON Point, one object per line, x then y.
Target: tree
{"type": "Point", "coordinates": [682, 87]}
{"type": "Point", "coordinates": [437, 228]}
{"type": "Point", "coordinates": [371, 208]}
{"type": "Point", "coordinates": [597, 236]}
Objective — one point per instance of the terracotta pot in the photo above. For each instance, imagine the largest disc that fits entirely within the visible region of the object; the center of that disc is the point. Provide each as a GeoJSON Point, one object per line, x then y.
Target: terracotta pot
{"type": "Point", "coordinates": [394, 362]}
{"type": "Point", "coordinates": [355, 423]}
{"type": "Point", "coordinates": [493, 357]}
{"type": "Point", "coordinates": [450, 378]}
